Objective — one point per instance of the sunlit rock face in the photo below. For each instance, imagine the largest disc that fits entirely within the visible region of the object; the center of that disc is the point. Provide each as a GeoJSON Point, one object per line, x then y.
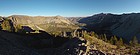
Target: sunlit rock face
{"type": "Point", "coordinates": [45, 23]}
{"type": "Point", "coordinates": [20, 19]}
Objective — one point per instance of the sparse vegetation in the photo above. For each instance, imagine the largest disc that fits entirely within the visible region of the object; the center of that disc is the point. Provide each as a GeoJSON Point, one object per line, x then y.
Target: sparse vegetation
{"type": "Point", "coordinates": [120, 48]}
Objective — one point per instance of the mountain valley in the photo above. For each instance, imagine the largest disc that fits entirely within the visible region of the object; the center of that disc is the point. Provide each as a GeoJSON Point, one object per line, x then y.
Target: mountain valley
{"type": "Point", "coordinates": [100, 34]}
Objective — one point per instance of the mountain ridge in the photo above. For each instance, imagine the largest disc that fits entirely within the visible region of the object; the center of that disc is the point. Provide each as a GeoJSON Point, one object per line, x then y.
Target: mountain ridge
{"type": "Point", "coordinates": [124, 25]}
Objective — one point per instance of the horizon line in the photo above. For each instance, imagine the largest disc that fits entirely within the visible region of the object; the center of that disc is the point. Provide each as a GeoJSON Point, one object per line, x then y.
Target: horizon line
{"type": "Point", "coordinates": [70, 16]}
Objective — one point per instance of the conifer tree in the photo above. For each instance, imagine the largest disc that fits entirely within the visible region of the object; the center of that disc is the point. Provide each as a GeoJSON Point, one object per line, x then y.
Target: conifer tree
{"type": "Point", "coordinates": [134, 41]}
{"type": "Point", "coordinates": [6, 25]}
{"type": "Point", "coordinates": [105, 38]}
{"type": "Point", "coordinates": [92, 34]}
{"type": "Point", "coordinates": [111, 40]}
{"type": "Point", "coordinates": [115, 40]}
{"type": "Point", "coordinates": [101, 37]}
{"type": "Point", "coordinates": [121, 41]}
{"type": "Point", "coordinates": [131, 43]}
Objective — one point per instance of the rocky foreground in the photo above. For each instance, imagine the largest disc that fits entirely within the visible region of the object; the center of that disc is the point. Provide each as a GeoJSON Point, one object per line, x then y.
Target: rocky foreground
{"type": "Point", "coordinates": [45, 44]}
{"type": "Point", "coordinates": [15, 44]}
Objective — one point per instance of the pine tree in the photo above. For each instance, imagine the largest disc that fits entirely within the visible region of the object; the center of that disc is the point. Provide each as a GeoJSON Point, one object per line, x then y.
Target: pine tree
{"type": "Point", "coordinates": [131, 43]}
{"type": "Point", "coordinates": [6, 25]}
{"type": "Point", "coordinates": [121, 41]}
{"type": "Point", "coordinates": [92, 34]}
{"type": "Point", "coordinates": [105, 38]}
{"type": "Point", "coordinates": [115, 40]}
{"type": "Point", "coordinates": [102, 37]}
{"type": "Point", "coordinates": [134, 41]}
{"type": "Point", "coordinates": [111, 40]}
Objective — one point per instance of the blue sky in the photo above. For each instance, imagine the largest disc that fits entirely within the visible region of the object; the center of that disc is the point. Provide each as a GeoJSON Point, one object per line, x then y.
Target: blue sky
{"type": "Point", "coordinates": [67, 7]}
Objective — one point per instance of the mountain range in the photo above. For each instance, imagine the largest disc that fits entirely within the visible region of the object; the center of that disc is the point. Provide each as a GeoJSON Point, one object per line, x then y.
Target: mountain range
{"type": "Point", "coordinates": [122, 25]}
{"type": "Point", "coordinates": [57, 35]}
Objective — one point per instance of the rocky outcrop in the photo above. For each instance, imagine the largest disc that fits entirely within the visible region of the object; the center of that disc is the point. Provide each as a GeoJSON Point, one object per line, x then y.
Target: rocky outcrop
{"type": "Point", "coordinates": [11, 44]}
{"type": "Point", "coordinates": [76, 46]}
{"type": "Point", "coordinates": [43, 44]}
{"type": "Point", "coordinates": [82, 46]}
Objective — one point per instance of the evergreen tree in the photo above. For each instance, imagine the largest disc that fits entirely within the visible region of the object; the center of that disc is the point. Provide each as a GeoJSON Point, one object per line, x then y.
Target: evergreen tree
{"type": "Point", "coordinates": [115, 40]}
{"type": "Point", "coordinates": [101, 37]}
{"type": "Point", "coordinates": [111, 40]}
{"type": "Point", "coordinates": [105, 38]}
{"type": "Point", "coordinates": [6, 25]}
{"type": "Point", "coordinates": [135, 41]}
{"type": "Point", "coordinates": [121, 42]}
{"type": "Point", "coordinates": [131, 43]}
{"type": "Point", "coordinates": [92, 34]}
